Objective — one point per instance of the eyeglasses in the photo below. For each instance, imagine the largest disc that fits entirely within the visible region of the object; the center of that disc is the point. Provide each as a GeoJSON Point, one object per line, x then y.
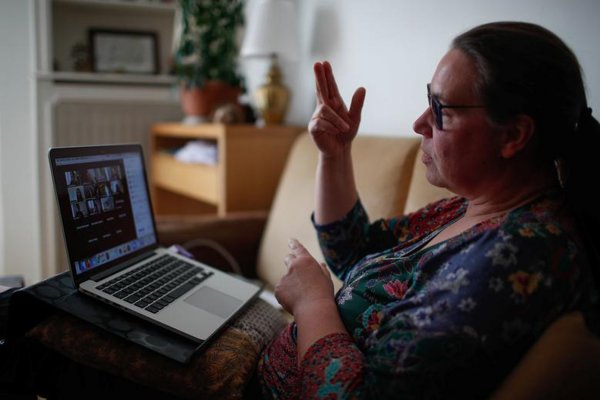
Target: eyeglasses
{"type": "Point", "coordinates": [437, 107]}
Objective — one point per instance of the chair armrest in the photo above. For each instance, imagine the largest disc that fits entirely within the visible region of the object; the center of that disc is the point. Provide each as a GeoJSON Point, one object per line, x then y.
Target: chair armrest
{"type": "Point", "coordinates": [562, 364]}
{"type": "Point", "coordinates": [205, 236]}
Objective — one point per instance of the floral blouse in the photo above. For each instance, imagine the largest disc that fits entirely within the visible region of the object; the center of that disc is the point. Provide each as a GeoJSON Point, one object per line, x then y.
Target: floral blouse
{"type": "Point", "coordinates": [448, 320]}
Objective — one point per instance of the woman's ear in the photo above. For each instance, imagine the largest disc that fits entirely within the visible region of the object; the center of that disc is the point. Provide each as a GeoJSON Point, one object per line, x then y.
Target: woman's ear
{"type": "Point", "coordinates": [517, 134]}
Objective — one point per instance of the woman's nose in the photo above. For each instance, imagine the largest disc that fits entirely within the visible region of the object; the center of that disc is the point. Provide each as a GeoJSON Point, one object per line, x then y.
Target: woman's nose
{"type": "Point", "coordinates": [423, 124]}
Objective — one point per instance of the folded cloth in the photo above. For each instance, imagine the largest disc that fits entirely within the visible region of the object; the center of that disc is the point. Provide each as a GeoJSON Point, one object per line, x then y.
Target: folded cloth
{"type": "Point", "coordinates": [198, 152]}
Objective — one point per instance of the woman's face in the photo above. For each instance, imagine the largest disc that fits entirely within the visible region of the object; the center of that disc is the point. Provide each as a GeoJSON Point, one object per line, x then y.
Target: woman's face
{"type": "Point", "coordinates": [463, 156]}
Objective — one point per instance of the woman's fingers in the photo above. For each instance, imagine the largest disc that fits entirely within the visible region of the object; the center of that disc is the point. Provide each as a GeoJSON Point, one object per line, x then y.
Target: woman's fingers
{"type": "Point", "coordinates": [296, 247]}
{"type": "Point", "coordinates": [332, 87]}
{"type": "Point", "coordinates": [327, 89]}
{"type": "Point", "coordinates": [322, 87]}
{"type": "Point", "coordinates": [287, 260]}
{"type": "Point", "coordinates": [325, 269]}
{"type": "Point", "coordinates": [358, 99]}
{"type": "Point", "coordinates": [319, 127]}
{"type": "Point", "coordinates": [328, 114]}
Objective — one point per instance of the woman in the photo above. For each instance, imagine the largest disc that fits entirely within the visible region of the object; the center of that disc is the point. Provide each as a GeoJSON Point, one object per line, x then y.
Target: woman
{"type": "Point", "coordinates": [445, 301]}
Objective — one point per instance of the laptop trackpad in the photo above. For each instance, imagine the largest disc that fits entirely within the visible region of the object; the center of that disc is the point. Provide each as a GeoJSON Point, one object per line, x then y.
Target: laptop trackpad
{"type": "Point", "coordinates": [214, 301]}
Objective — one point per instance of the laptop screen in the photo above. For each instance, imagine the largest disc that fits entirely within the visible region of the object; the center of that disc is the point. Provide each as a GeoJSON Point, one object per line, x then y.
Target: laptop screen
{"type": "Point", "coordinates": [104, 205]}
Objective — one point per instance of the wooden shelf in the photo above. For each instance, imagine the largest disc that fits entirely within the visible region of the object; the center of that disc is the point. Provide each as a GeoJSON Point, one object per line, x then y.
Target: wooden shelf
{"type": "Point", "coordinates": [92, 77]}
{"type": "Point", "coordinates": [121, 5]}
{"type": "Point", "coordinates": [249, 165]}
{"type": "Point", "coordinates": [67, 24]}
{"type": "Point", "coordinates": [200, 182]}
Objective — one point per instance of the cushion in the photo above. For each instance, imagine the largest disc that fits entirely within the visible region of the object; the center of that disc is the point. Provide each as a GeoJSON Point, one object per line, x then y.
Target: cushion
{"type": "Point", "coordinates": [223, 370]}
{"type": "Point", "coordinates": [382, 166]}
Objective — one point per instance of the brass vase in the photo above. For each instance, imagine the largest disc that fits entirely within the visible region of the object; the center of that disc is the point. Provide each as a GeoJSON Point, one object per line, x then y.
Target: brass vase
{"type": "Point", "coordinates": [273, 97]}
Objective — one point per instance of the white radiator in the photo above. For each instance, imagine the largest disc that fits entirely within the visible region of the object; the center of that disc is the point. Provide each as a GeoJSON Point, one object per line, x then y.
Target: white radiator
{"type": "Point", "coordinates": [110, 122]}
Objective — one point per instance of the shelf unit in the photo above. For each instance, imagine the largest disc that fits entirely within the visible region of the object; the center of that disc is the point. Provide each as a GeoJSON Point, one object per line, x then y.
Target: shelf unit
{"type": "Point", "coordinates": [143, 5]}
{"type": "Point", "coordinates": [249, 165]}
{"type": "Point", "coordinates": [65, 23]}
{"type": "Point", "coordinates": [124, 79]}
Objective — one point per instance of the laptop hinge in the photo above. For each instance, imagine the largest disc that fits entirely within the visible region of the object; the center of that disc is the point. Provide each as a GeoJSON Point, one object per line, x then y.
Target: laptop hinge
{"type": "Point", "coordinates": [120, 267]}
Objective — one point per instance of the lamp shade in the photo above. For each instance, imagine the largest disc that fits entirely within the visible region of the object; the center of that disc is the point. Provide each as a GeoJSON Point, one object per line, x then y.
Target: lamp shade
{"type": "Point", "coordinates": [272, 29]}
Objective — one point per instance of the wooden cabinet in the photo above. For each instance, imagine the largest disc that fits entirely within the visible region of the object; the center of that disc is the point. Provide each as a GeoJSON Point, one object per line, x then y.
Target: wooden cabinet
{"type": "Point", "coordinates": [250, 161]}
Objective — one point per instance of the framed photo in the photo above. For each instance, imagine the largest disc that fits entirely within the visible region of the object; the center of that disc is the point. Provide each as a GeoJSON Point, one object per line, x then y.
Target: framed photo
{"type": "Point", "coordinates": [120, 51]}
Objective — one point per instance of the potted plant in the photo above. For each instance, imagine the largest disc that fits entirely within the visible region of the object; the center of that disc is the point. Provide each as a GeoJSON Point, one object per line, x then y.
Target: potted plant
{"type": "Point", "coordinates": [206, 57]}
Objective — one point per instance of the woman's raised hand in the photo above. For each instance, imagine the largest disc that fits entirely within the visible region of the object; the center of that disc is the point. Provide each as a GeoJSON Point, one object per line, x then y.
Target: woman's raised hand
{"type": "Point", "coordinates": [333, 126]}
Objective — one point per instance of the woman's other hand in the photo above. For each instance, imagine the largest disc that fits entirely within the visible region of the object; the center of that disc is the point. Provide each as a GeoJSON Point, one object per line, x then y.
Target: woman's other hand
{"type": "Point", "coordinates": [333, 126]}
{"type": "Point", "coordinates": [306, 283]}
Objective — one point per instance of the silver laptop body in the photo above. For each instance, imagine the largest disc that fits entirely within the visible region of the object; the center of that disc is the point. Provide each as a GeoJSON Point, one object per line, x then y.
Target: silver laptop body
{"type": "Point", "coordinates": [113, 251]}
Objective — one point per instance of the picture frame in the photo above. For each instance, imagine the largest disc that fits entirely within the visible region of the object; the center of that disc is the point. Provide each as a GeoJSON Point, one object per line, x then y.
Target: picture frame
{"type": "Point", "coordinates": [123, 51]}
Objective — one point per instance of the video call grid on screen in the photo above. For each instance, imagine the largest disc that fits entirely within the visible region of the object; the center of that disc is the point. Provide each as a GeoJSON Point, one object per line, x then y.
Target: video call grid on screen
{"type": "Point", "coordinates": [95, 191]}
{"type": "Point", "coordinates": [100, 220]}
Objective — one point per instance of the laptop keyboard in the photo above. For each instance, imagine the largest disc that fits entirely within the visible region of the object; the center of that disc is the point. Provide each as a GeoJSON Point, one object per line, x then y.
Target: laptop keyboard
{"type": "Point", "coordinates": [151, 287]}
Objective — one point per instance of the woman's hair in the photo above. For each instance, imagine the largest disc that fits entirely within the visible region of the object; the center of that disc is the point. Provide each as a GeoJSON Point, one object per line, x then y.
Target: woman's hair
{"type": "Point", "coordinates": [526, 69]}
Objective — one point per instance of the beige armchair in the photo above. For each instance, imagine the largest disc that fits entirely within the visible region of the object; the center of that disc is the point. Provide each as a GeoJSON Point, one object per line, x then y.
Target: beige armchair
{"type": "Point", "coordinates": [391, 181]}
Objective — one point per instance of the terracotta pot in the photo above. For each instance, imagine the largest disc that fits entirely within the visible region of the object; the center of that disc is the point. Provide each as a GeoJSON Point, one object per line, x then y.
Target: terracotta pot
{"type": "Point", "coordinates": [201, 102]}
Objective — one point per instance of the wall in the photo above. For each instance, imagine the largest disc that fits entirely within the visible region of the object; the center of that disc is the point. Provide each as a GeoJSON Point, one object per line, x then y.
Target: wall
{"type": "Point", "coordinates": [18, 151]}
{"type": "Point", "coordinates": [391, 47]}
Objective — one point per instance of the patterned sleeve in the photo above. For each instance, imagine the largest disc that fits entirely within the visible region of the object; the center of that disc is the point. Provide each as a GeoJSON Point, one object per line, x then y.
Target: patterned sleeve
{"type": "Point", "coordinates": [332, 368]}
{"type": "Point", "coordinates": [335, 368]}
{"type": "Point", "coordinates": [348, 240]}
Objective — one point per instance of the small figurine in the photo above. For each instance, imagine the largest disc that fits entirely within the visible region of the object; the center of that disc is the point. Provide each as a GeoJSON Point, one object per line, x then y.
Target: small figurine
{"type": "Point", "coordinates": [229, 113]}
{"type": "Point", "coordinates": [81, 58]}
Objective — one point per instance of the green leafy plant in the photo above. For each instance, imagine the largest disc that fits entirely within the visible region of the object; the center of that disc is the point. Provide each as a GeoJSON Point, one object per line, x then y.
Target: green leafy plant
{"type": "Point", "coordinates": [208, 48]}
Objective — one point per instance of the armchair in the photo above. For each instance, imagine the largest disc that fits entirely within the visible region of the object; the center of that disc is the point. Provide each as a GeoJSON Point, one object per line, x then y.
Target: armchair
{"type": "Point", "coordinates": [391, 181]}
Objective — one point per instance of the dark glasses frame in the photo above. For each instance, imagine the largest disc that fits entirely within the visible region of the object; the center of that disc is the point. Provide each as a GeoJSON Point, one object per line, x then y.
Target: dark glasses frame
{"type": "Point", "coordinates": [437, 107]}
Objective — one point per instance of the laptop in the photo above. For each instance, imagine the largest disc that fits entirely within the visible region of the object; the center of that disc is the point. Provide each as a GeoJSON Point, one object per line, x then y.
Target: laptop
{"type": "Point", "coordinates": [113, 251]}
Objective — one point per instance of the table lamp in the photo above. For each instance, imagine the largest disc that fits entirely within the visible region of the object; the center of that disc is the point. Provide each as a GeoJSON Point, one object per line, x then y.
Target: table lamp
{"type": "Point", "coordinates": [272, 31]}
